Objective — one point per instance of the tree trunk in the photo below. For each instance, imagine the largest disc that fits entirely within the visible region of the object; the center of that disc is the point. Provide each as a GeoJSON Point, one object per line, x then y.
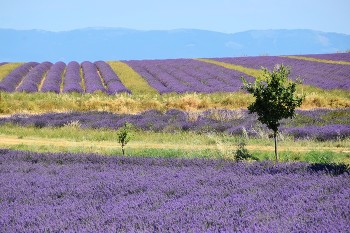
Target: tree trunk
{"type": "Point", "coordinates": [276, 152]}
{"type": "Point", "coordinates": [123, 150]}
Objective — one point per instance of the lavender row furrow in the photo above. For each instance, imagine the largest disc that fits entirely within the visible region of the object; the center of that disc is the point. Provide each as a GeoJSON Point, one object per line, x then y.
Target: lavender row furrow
{"type": "Point", "coordinates": [10, 82]}
{"type": "Point", "coordinates": [46, 192]}
{"type": "Point", "coordinates": [173, 83]}
{"type": "Point", "coordinates": [53, 79]}
{"type": "Point", "coordinates": [187, 75]}
{"type": "Point", "coordinates": [178, 70]}
{"type": "Point", "coordinates": [152, 80]}
{"type": "Point", "coordinates": [216, 78]}
{"type": "Point", "coordinates": [72, 78]}
{"type": "Point", "coordinates": [92, 80]}
{"type": "Point", "coordinates": [322, 75]}
{"type": "Point", "coordinates": [114, 85]}
{"type": "Point", "coordinates": [22, 79]}
{"type": "Point", "coordinates": [319, 124]}
{"type": "Point", "coordinates": [31, 81]}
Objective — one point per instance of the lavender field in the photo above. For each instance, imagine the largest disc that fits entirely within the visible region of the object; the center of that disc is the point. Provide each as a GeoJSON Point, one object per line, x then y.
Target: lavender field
{"type": "Point", "coordinates": [171, 75]}
{"type": "Point", "coordinates": [187, 75]}
{"type": "Point", "coordinates": [152, 189]}
{"type": "Point", "coordinates": [61, 78]}
{"type": "Point", "coordinates": [321, 124]}
{"type": "Point", "coordinates": [332, 56]}
{"type": "Point", "coordinates": [92, 193]}
{"type": "Point", "coordinates": [322, 75]}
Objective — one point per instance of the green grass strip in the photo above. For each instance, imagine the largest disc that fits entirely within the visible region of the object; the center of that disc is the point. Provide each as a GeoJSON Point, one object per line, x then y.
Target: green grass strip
{"type": "Point", "coordinates": [72, 138]}
{"type": "Point", "coordinates": [7, 68]}
{"type": "Point", "coordinates": [318, 60]}
{"type": "Point", "coordinates": [131, 79]}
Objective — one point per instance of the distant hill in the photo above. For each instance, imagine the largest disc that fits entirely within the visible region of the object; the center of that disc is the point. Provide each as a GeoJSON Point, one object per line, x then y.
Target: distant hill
{"type": "Point", "coordinates": [126, 44]}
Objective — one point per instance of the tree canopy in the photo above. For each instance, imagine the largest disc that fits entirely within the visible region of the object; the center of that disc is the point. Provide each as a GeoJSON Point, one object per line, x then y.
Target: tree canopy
{"type": "Point", "coordinates": [275, 97]}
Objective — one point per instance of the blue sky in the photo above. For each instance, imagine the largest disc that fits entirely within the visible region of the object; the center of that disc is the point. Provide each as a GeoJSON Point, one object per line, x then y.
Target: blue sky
{"type": "Point", "coordinates": [216, 15]}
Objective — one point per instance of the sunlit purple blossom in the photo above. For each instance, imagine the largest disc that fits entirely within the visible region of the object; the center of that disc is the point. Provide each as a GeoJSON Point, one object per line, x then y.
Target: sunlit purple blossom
{"type": "Point", "coordinates": [32, 80]}
{"type": "Point", "coordinates": [11, 81]}
{"type": "Point", "coordinates": [72, 80]}
{"type": "Point", "coordinates": [54, 78]}
{"type": "Point", "coordinates": [92, 79]}
{"type": "Point", "coordinates": [322, 75]}
{"type": "Point", "coordinates": [322, 124]}
{"type": "Point", "coordinates": [187, 75]}
{"type": "Point", "coordinates": [44, 192]}
{"type": "Point", "coordinates": [112, 81]}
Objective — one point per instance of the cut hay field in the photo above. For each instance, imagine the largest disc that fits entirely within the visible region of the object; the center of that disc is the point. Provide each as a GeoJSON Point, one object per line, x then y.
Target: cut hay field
{"type": "Point", "coordinates": [63, 170]}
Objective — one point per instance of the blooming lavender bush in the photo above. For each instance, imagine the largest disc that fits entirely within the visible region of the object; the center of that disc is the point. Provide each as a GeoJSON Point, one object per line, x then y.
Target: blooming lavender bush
{"type": "Point", "coordinates": [32, 80]}
{"type": "Point", "coordinates": [322, 75]}
{"type": "Point", "coordinates": [11, 81]}
{"type": "Point", "coordinates": [54, 78]}
{"type": "Point", "coordinates": [90, 193]}
{"type": "Point", "coordinates": [92, 80]}
{"type": "Point", "coordinates": [3, 63]}
{"type": "Point", "coordinates": [112, 81]}
{"type": "Point", "coordinates": [72, 79]}
{"type": "Point", "coordinates": [187, 75]}
{"type": "Point", "coordinates": [323, 124]}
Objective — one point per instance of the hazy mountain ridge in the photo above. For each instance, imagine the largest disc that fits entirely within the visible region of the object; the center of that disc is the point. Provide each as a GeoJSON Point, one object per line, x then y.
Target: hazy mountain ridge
{"type": "Point", "coordinates": [125, 44]}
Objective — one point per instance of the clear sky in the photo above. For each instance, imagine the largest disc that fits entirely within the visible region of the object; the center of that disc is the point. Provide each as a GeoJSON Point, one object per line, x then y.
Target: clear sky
{"type": "Point", "coordinates": [216, 15]}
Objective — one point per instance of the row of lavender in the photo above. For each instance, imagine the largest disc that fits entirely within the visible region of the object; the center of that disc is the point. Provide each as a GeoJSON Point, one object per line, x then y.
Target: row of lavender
{"type": "Point", "coordinates": [331, 56]}
{"type": "Point", "coordinates": [187, 75]}
{"type": "Point", "coordinates": [43, 192]}
{"type": "Point", "coordinates": [59, 77]}
{"type": "Point", "coordinates": [322, 75]}
{"type": "Point", "coordinates": [319, 124]}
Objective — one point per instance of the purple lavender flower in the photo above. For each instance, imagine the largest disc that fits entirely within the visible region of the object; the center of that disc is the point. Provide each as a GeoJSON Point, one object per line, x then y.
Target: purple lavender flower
{"type": "Point", "coordinates": [11, 81]}
{"type": "Point", "coordinates": [44, 192]}
{"type": "Point", "coordinates": [322, 75]}
{"type": "Point", "coordinates": [54, 78]}
{"type": "Point", "coordinates": [331, 56]}
{"type": "Point", "coordinates": [32, 80]}
{"type": "Point", "coordinates": [187, 75]}
{"type": "Point", "coordinates": [321, 124]}
{"type": "Point", "coordinates": [92, 79]}
{"type": "Point", "coordinates": [111, 80]}
{"type": "Point", "coordinates": [72, 79]}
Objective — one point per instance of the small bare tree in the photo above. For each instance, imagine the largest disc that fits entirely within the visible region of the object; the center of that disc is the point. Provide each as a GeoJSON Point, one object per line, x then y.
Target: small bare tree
{"type": "Point", "coordinates": [124, 136]}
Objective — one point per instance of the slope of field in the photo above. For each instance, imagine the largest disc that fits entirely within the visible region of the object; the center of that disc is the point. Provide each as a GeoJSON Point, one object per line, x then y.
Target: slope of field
{"type": "Point", "coordinates": [323, 75]}
{"type": "Point", "coordinates": [339, 58]}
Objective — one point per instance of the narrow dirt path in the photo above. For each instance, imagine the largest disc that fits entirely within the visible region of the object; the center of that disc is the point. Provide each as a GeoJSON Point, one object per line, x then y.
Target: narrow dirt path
{"type": "Point", "coordinates": [9, 140]}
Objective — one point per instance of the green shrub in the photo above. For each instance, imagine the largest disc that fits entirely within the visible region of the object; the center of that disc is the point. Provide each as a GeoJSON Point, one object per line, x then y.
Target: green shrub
{"type": "Point", "coordinates": [242, 153]}
{"type": "Point", "coordinates": [124, 135]}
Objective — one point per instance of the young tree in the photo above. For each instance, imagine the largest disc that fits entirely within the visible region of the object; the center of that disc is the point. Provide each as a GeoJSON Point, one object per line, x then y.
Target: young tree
{"type": "Point", "coordinates": [124, 136]}
{"type": "Point", "coordinates": [275, 98]}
